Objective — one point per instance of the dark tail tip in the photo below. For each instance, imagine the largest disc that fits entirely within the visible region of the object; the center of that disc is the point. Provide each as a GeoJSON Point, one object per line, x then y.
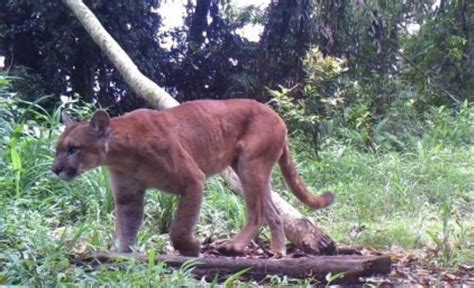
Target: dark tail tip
{"type": "Point", "coordinates": [322, 201]}
{"type": "Point", "coordinates": [328, 198]}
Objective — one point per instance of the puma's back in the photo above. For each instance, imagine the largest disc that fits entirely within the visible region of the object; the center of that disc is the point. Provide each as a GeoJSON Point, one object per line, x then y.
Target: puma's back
{"type": "Point", "coordinates": [210, 132]}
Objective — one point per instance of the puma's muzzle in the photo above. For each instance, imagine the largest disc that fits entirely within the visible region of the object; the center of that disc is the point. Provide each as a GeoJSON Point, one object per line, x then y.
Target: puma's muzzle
{"type": "Point", "coordinates": [63, 173]}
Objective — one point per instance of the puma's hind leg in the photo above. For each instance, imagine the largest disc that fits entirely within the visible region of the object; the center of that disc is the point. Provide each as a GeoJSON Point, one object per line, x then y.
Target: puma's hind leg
{"type": "Point", "coordinates": [256, 195]}
{"type": "Point", "coordinates": [275, 223]}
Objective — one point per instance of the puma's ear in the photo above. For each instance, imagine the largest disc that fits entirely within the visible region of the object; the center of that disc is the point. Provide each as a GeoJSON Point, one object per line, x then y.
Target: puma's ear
{"type": "Point", "coordinates": [100, 122]}
{"type": "Point", "coordinates": [67, 120]}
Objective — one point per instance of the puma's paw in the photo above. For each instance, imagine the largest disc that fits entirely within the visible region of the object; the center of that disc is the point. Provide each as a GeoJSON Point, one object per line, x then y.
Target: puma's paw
{"type": "Point", "coordinates": [229, 248]}
{"type": "Point", "coordinates": [188, 248]}
{"type": "Point", "coordinates": [124, 249]}
{"type": "Point", "coordinates": [277, 253]}
{"type": "Point", "coordinates": [190, 252]}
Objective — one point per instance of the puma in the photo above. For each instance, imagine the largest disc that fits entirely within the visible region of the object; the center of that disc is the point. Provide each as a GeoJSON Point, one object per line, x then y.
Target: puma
{"type": "Point", "coordinates": [175, 150]}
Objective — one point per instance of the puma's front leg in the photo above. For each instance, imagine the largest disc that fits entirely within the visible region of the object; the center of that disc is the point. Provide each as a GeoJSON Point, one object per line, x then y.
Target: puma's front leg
{"type": "Point", "coordinates": [128, 198]}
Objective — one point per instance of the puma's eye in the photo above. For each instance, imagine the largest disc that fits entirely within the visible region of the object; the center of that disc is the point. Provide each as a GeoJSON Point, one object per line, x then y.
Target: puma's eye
{"type": "Point", "coordinates": [72, 150]}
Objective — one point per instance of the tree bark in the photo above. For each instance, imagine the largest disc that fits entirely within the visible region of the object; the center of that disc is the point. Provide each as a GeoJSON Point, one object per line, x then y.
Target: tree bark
{"type": "Point", "coordinates": [350, 267]}
{"type": "Point", "coordinates": [298, 229]}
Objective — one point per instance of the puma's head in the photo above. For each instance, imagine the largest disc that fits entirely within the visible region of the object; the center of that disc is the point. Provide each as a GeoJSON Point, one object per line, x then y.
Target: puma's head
{"type": "Point", "coordinates": [82, 146]}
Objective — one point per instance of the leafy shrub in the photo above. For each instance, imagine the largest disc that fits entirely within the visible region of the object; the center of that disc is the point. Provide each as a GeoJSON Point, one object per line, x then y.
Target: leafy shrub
{"type": "Point", "coordinates": [321, 98]}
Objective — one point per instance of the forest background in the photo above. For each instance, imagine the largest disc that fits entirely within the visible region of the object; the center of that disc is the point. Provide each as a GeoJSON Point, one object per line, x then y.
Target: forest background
{"type": "Point", "coordinates": [377, 95]}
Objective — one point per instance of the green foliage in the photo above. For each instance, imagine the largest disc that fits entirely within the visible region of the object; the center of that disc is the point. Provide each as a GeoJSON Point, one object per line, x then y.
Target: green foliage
{"type": "Point", "coordinates": [402, 126]}
{"type": "Point", "coordinates": [47, 47]}
{"type": "Point", "coordinates": [296, 113]}
{"type": "Point", "coordinates": [208, 58]}
{"type": "Point", "coordinates": [320, 101]}
{"type": "Point", "coordinates": [413, 189]}
{"type": "Point", "coordinates": [392, 50]}
{"type": "Point", "coordinates": [288, 34]}
{"type": "Point", "coordinates": [331, 278]}
{"type": "Point", "coordinates": [441, 49]}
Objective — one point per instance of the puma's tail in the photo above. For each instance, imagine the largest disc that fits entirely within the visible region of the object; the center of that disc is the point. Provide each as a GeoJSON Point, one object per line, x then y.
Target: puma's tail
{"type": "Point", "coordinates": [293, 180]}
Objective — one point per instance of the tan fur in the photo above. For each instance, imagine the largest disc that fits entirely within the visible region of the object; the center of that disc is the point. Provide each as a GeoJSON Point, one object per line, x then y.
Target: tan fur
{"type": "Point", "coordinates": [175, 150]}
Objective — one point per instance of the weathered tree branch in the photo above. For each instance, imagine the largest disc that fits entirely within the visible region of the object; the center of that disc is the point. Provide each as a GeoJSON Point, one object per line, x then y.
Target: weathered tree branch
{"type": "Point", "coordinates": [298, 229]}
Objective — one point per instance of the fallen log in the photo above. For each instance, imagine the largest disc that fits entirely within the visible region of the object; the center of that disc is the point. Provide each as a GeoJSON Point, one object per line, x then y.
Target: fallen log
{"type": "Point", "coordinates": [316, 267]}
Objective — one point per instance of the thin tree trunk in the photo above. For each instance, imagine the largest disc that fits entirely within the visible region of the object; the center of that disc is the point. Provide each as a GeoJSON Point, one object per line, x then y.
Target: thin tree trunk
{"type": "Point", "coordinates": [298, 229]}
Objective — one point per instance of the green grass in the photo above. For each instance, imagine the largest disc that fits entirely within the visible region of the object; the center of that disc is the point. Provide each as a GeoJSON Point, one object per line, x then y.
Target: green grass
{"type": "Point", "coordinates": [420, 196]}
{"type": "Point", "coordinates": [412, 190]}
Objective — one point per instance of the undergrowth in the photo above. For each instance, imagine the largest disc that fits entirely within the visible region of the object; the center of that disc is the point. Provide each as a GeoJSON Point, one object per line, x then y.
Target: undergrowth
{"type": "Point", "coordinates": [413, 188]}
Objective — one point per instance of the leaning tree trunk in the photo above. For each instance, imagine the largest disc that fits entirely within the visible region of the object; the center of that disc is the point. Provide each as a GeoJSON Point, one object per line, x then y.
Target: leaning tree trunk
{"type": "Point", "coordinates": [298, 229]}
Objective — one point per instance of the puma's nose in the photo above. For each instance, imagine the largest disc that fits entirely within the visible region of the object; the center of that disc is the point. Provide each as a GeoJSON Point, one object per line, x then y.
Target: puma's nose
{"type": "Point", "coordinates": [56, 169]}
